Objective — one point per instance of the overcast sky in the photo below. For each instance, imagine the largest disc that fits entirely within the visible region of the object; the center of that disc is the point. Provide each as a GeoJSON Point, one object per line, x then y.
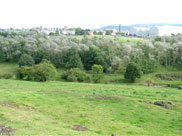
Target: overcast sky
{"type": "Point", "coordinates": [87, 13]}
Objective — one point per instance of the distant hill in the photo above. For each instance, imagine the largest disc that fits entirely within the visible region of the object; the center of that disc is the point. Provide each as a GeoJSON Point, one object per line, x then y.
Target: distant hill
{"type": "Point", "coordinates": [128, 27]}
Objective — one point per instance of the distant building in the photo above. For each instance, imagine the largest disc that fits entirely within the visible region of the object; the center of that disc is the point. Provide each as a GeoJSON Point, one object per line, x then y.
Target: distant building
{"type": "Point", "coordinates": [45, 30]}
{"type": "Point", "coordinates": [144, 31]}
{"type": "Point", "coordinates": [90, 33]}
{"type": "Point", "coordinates": [67, 31]}
{"type": "Point", "coordinates": [112, 31]}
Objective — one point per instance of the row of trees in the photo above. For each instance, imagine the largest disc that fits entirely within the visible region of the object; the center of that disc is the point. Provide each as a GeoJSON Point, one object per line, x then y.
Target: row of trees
{"type": "Point", "coordinates": [69, 52]}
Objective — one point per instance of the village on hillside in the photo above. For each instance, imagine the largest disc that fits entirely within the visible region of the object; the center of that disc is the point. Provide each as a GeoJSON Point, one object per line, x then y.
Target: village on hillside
{"type": "Point", "coordinates": [135, 31]}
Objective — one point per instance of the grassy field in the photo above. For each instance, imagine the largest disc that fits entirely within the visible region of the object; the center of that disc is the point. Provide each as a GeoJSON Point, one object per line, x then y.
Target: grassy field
{"type": "Point", "coordinates": [61, 108]}
{"type": "Point", "coordinates": [6, 68]}
{"type": "Point", "coordinates": [120, 38]}
{"type": "Point", "coordinates": [53, 108]}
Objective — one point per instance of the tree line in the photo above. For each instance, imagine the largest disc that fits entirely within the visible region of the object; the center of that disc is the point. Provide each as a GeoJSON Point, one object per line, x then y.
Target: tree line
{"type": "Point", "coordinates": [66, 52]}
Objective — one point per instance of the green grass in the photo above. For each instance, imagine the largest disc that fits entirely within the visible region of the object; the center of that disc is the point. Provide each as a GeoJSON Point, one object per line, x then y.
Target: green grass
{"type": "Point", "coordinates": [129, 39]}
{"type": "Point", "coordinates": [53, 108]}
{"type": "Point", "coordinates": [120, 38]}
{"type": "Point", "coordinates": [6, 68]}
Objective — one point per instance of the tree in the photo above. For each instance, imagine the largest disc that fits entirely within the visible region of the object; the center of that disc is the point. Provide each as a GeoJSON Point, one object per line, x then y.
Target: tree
{"type": "Point", "coordinates": [26, 60]}
{"type": "Point", "coordinates": [79, 31]}
{"type": "Point", "coordinates": [91, 57]}
{"type": "Point", "coordinates": [73, 59]}
{"type": "Point", "coordinates": [97, 71]}
{"type": "Point", "coordinates": [132, 72]}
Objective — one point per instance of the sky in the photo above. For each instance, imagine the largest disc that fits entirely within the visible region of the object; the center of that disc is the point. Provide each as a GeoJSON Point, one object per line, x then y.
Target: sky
{"type": "Point", "coordinates": [87, 13]}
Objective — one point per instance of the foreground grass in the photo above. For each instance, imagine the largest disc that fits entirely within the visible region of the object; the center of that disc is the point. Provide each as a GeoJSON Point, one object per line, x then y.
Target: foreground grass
{"type": "Point", "coordinates": [53, 108]}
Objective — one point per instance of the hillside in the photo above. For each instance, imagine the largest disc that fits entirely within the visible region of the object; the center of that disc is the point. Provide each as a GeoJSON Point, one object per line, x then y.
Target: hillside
{"type": "Point", "coordinates": [87, 109]}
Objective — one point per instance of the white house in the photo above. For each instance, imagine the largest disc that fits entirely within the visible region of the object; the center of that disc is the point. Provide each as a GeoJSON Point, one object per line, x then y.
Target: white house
{"type": "Point", "coordinates": [68, 32]}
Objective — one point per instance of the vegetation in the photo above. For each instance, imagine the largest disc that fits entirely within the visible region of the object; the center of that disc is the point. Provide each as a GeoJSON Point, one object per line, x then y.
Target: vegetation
{"type": "Point", "coordinates": [97, 71]}
{"type": "Point", "coordinates": [110, 52]}
{"type": "Point", "coordinates": [118, 106]}
{"type": "Point", "coordinates": [26, 60]}
{"type": "Point", "coordinates": [40, 72]}
{"type": "Point", "coordinates": [132, 72]}
{"type": "Point", "coordinates": [75, 75]}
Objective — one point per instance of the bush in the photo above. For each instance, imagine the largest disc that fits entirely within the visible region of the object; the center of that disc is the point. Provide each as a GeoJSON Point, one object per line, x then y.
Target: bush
{"type": "Point", "coordinates": [72, 78]}
{"type": "Point", "coordinates": [74, 75]}
{"type": "Point", "coordinates": [97, 71]}
{"type": "Point", "coordinates": [26, 60]}
{"type": "Point", "coordinates": [132, 72]}
{"type": "Point", "coordinates": [6, 76]}
{"type": "Point", "coordinates": [26, 73]}
{"type": "Point", "coordinates": [40, 72]}
{"type": "Point", "coordinates": [44, 71]}
{"type": "Point", "coordinates": [169, 77]}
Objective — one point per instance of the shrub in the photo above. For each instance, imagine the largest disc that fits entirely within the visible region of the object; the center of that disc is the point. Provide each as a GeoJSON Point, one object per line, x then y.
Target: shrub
{"type": "Point", "coordinates": [72, 78]}
{"type": "Point", "coordinates": [169, 77]}
{"type": "Point", "coordinates": [6, 76]}
{"type": "Point", "coordinates": [97, 71]}
{"type": "Point", "coordinates": [74, 75]}
{"type": "Point", "coordinates": [132, 72]}
{"type": "Point", "coordinates": [44, 71]}
{"type": "Point", "coordinates": [26, 60]}
{"type": "Point", "coordinates": [40, 72]}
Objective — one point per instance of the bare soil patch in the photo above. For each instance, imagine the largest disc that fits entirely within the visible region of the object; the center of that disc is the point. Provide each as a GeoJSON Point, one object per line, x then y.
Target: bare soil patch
{"type": "Point", "coordinates": [80, 128]}
{"type": "Point", "coordinates": [9, 104]}
{"type": "Point", "coordinates": [6, 131]}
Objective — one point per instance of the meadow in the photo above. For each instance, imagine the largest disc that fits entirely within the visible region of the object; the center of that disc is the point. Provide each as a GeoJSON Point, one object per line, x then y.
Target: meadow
{"type": "Point", "coordinates": [86, 109]}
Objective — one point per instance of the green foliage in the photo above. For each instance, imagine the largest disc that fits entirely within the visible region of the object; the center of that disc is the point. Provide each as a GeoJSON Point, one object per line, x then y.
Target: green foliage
{"type": "Point", "coordinates": [40, 72]}
{"type": "Point", "coordinates": [101, 50]}
{"type": "Point", "coordinates": [74, 75]}
{"type": "Point", "coordinates": [6, 76]}
{"type": "Point", "coordinates": [158, 39]}
{"type": "Point", "coordinates": [91, 57]}
{"type": "Point", "coordinates": [132, 72]}
{"type": "Point", "coordinates": [97, 72]}
{"type": "Point", "coordinates": [26, 73]}
{"type": "Point", "coordinates": [54, 34]}
{"type": "Point", "coordinates": [97, 69]}
{"type": "Point", "coordinates": [44, 71]}
{"type": "Point", "coordinates": [79, 31]}
{"type": "Point", "coordinates": [169, 77]}
{"type": "Point", "coordinates": [149, 66]}
{"type": "Point", "coordinates": [40, 54]}
{"type": "Point", "coordinates": [72, 59]}
{"type": "Point", "coordinates": [26, 60]}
